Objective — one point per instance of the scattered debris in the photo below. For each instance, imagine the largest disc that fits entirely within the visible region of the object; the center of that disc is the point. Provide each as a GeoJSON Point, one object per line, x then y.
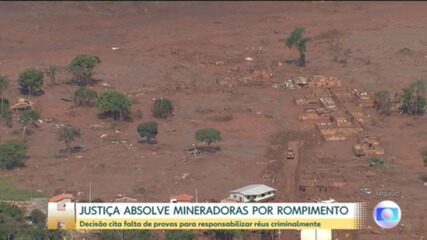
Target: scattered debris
{"type": "Point", "coordinates": [106, 85]}
{"type": "Point", "coordinates": [249, 59]}
{"type": "Point", "coordinates": [368, 146]}
{"type": "Point", "coordinates": [95, 126]}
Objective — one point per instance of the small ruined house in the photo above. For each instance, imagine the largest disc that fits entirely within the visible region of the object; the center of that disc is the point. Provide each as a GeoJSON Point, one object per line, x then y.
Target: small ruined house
{"type": "Point", "coordinates": [182, 198]}
{"type": "Point", "coordinates": [363, 98]}
{"type": "Point", "coordinates": [253, 193]}
{"type": "Point", "coordinates": [61, 200]}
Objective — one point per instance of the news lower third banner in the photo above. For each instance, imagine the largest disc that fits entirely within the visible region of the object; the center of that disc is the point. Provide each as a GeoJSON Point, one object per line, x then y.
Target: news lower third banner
{"type": "Point", "coordinates": [243, 216]}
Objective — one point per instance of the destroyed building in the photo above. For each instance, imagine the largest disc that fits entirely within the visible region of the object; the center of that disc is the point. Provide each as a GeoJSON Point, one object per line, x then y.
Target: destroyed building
{"type": "Point", "coordinates": [319, 81]}
{"type": "Point", "coordinates": [328, 103]}
{"type": "Point", "coordinates": [368, 146]}
{"type": "Point", "coordinates": [338, 131]}
{"type": "Point", "coordinates": [363, 98]}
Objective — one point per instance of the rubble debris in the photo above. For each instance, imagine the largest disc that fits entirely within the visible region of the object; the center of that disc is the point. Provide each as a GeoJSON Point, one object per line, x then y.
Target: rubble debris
{"type": "Point", "coordinates": [22, 104]}
{"type": "Point", "coordinates": [327, 102]}
{"type": "Point", "coordinates": [319, 81]}
{"type": "Point", "coordinates": [368, 146]}
{"type": "Point", "coordinates": [106, 85]}
{"type": "Point", "coordinates": [307, 99]}
{"type": "Point", "coordinates": [363, 98]}
{"type": "Point", "coordinates": [333, 131]}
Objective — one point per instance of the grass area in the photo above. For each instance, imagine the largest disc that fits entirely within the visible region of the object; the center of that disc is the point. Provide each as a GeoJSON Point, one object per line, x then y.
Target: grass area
{"type": "Point", "coordinates": [9, 192]}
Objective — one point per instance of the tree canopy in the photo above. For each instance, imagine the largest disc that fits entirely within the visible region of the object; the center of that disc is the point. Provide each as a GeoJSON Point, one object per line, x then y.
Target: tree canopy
{"type": "Point", "coordinates": [12, 154]}
{"type": "Point", "coordinates": [31, 79]}
{"type": "Point", "coordinates": [84, 96]}
{"type": "Point", "coordinates": [208, 135]}
{"type": "Point", "coordinates": [68, 135]}
{"type": "Point", "coordinates": [148, 130]}
{"type": "Point", "coordinates": [82, 67]}
{"type": "Point", "coordinates": [414, 98]}
{"type": "Point", "coordinates": [4, 83]}
{"type": "Point", "coordinates": [382, 102]}
{"type": "Point", "coordinates": [162, 108]}
{"type": "Point", "coordinates": [296, 39]}
{"type": "Point", "coordinates": [116, 103]}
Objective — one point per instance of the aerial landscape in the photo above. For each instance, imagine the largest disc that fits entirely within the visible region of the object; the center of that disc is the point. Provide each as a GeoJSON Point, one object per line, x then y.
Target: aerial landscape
{"type": "Point", "coordinates": [204, 101]}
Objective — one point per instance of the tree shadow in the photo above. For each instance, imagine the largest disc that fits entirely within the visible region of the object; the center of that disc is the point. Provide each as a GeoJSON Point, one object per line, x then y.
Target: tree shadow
{"type": "Point", "coordinates": [106, 115]}
{"type": "Point", "coordinates": [83, 82]}
{"type": "Point", "coordinates": [295, 62]}
{"type": "Point", "coordinates": [202, 149]}
{"type": "Point", "coordinates": [74, 149]}
{"type": "Point", "coordinates": [35, 93]}
{"type": "Point", "coordinates": [145, 141]}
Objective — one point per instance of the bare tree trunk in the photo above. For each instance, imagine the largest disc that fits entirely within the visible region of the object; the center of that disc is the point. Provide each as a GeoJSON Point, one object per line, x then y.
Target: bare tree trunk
{"type": "Point", "coordinates": [68, 150]}
{"type": "Point", "coordinates": [52, 78]}
{"type": "Point", "coordinates": [24, 132]}
{"type": "Point", "coordinates": [302, 60]}
{"type": "Point", "coordinates": [1, 110]}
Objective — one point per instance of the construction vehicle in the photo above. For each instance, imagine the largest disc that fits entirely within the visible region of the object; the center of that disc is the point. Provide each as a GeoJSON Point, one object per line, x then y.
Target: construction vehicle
{"type": "Point", "coordinates": [293, 148]}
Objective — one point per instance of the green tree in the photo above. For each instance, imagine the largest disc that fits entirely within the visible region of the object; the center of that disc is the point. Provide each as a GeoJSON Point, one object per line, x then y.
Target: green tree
{"type": "Point", "coordinates": [115, 103]}
{"type": "Point", "coordinates": [11, 221]}
{"type": "Point", "coordinates": [296, 39]}
{"type": "Point", "coordinates": [84, 96]}
{"type": "Point", "coordinates": [12, 154]}
{"type": "Point", "coordinates": [208, 135]}
{"type": "Point", "coordinates": [28, 117]}
{"type": "Point", "coordinates": [68, 135]}
{"type": "Point", "coordinates": [37, 217]}
{"type": "Point", "coordinates": [179, 235]}
{"type": "Point", "coordinates": [382, 101]}
{"type": "Point", "coordinates": [147, 130]}
{"type": "Point", "coordinates": [51, 73]}
{"type": "Point", "coordinates": [4, 84]}
{"type": "Point", "coordinates": [82, 67]}
{"type": "Point", "coordinates": [414, 98]}
{"type": "Point", "coordinates": [31, 79]}
{"type": "Point", "coordinates": [162, 108]}
{"type": "Point", "coordinates": [6, 114]}
{"type": "Point", "coordinates": [424, 157]}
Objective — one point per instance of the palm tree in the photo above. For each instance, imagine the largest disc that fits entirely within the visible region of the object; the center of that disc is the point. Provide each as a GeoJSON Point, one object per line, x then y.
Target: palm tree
{"type": "Point", "coordinates": [297, 39]}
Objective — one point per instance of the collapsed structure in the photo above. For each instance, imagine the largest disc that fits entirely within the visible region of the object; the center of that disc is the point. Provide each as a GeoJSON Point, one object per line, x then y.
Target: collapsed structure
{"type": "Point", "coordinates": [368, 146]}
{"type": "Point", "coordinates": [337, 112]}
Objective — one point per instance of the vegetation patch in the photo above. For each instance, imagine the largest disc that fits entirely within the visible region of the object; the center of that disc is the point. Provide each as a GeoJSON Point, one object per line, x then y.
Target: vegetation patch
{"type": "Point", "coordinates": [9, 192]}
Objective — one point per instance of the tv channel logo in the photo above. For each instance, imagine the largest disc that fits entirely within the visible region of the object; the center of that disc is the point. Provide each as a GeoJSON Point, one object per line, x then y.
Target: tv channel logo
{"type": "Point", "coordinates": [387, 214]}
